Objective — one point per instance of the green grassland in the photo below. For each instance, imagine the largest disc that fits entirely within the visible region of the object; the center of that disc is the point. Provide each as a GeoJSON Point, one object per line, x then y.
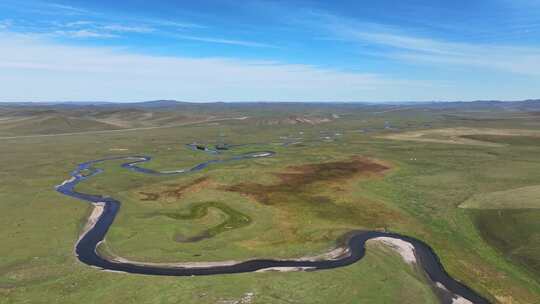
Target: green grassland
{"type": "Point", "coordinates": [297, 203]}
{"type": "Point", "coordinates": [517, 198]}
{"type": "Point", "coordinates": [500, 228]}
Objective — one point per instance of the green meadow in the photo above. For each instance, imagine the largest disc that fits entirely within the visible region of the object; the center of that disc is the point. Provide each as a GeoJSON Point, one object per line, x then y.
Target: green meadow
{"type": "Point", "coordinates": [475, 205]}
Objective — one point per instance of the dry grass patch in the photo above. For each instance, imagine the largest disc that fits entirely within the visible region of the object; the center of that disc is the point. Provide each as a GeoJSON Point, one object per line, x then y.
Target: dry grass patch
{"type": "Point", "coordinates": [456, 135]}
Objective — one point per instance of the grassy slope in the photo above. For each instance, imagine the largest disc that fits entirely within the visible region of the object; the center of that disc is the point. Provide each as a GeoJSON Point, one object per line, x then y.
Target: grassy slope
{"type": "Point", "coordinates": [500, 228]}
{"type": "Point", "coordinates": [43, 121]}
{"type": "Point", "coordinates": [517, 198]}
{"type": "Point", "coordinates": [425, 188]}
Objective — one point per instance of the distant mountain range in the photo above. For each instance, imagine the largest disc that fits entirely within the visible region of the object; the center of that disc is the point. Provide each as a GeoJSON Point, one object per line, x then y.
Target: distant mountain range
{"type": "Point", "coordinates": [174, 104]}
{"type": "Point", "coordinates": [25, 118]}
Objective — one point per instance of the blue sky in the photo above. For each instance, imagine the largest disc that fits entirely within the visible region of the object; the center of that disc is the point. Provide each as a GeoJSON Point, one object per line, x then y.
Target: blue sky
{"type": "Point", "coordinates": [269, 50]}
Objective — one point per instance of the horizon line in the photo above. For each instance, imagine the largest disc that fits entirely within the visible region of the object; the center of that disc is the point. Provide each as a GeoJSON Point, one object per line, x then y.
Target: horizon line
{"type": "Point", "coordinates": [258, 101]}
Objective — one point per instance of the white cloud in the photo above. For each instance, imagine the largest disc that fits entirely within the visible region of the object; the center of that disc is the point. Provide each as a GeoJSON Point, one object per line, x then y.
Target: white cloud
{"type": "Point", "coordinates": [97, 29]}
{"type": "Point", "coordinates": [102, 29]}
{"type": "Point", "coordinates": [513, 59]}
{"type": "Point", "coordinates": [225, 41]}
{"type": "Point", "coordinates": [79, 23]}
{"type": "Point", "coordinates": [38, 69]}
{"type": "Point", "coordinates": [399, 45]}
{"type": "Point", "coordinates": [84, 34]}
{"type": "Point", "coordinates": [176, 24]}
{"type": "Point", "coordinates": [67, 9]}
{"type": "Point", "coordinates": [127, 29]}
{"type": "Point", "coordinates": [5, 24]}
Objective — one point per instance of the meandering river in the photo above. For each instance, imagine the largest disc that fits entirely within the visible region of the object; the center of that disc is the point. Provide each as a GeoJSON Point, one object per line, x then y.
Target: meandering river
{"type": "Point", "coordinates": [448, 289]}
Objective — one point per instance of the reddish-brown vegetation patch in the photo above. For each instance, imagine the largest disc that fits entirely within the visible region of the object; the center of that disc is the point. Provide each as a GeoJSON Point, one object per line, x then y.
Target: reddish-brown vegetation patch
{"type": "Point", "coordinates": [298, 178]}
{"type": "Point", "coordinates": [179, 190]}
{"type": "Point", "coordinates": [175, 191]}
{"type": "Point", "coordinates": [298, 193]}
{"type": "Point", "coordinates": [332, 171]}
